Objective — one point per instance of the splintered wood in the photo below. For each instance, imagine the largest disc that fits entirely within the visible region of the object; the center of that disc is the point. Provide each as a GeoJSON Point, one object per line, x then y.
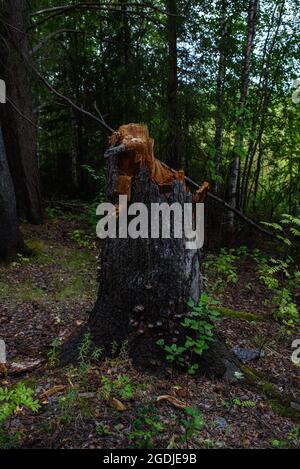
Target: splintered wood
{"type": "Point", "coordinates": [139, 152]}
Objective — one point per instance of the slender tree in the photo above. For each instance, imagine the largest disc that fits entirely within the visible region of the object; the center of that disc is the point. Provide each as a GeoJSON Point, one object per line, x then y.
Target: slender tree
{"type": "Point", "coordinates": [233, 186]}
{"type": "Point", "coordinates": [220, 86]}
{"type": "Point", "coordinates": [172, 137]}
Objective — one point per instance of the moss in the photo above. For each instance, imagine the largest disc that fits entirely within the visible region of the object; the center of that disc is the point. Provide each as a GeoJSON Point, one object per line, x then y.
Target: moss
{"type": "Point", "coordinates": [76, 259]}
{"type": "Point", "coordinates": [76, 287]}
{"type": "Point", "coordinates": [36, 245]}
{"type": "Point", "coordinates": [232, 313]}
{"type": "Point", "coordinates": [21, 292]}
{"type": "Point", "coordinates": [279, 402]}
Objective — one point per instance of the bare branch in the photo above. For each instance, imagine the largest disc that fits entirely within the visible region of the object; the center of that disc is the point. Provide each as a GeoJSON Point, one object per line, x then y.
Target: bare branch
{"type": "Point", "coordinates": [50, 36]}
{"type": "Point", "coordinates": [97, 5]}
{"type": "Point", "coordinates": [11, 102]}
{"type": "Point", "coordinates": [56, 11]}
{"type": "Point", "coordinates": [70, 102]}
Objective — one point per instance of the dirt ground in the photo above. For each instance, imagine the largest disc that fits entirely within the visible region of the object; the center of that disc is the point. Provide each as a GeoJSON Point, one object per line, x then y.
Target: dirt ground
{"type": "Point", "coordinates": [107, 403]}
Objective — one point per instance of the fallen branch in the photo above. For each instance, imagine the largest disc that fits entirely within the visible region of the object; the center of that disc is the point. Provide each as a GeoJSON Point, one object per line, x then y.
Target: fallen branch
{"type": "Point", "coordinates": [243, 216]}
{"type": "Point", "coordinates": [25, 367]}
{"type": "Point", "coordinates": [229, 207]}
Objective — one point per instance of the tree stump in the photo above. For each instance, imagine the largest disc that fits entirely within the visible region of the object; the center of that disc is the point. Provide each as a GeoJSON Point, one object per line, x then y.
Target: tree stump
{"type": "Point", "coordinates": [145, 283]}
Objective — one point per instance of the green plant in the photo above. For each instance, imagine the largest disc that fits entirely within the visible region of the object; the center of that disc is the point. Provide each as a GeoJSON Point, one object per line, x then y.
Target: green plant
{"type": "Point", "coordinates": [224, 265]}
{"type": "Point", "coordinates": [19, 396]}
{"type": "Point", "coordinates": [292, 441]}
{"type": "Point", "coordinates": [271, 271]}
{"type": "Point", "coordinates": [246, 403]}
{"type": "Point", "coordinates": [120, 387]}
{"type": "Point", "coordinates": [21, 259]}
{"type": "Point", "coordinates": [53, 212]}
{"type": "Point", "coordinates": [12, 400]}
{"type": "Point", "coordinates": [86, 354]}
{"type": "Point", "coordinates": [83, 240]}
{"type": "Point", "coordinates": [123, 387]}
{"type": "Point", "coordinates": [103, 429]}
{"type": "Point", "coordinates": [54, 352]}
{"type": "Point", "coordinates": [200, 323]}
{"type": "Point", "coordinates": [288, 229]}
{"type": "Point", "coordinates": [100, 180]}
{"type": "Point", "coordinates": [191, 424]}
{"type": "Point", "coordinates": [222, 269]}
{"type": "Point", "coordinates": [73, 406]}
{"type": "Point", "coordinates": [145, 428]}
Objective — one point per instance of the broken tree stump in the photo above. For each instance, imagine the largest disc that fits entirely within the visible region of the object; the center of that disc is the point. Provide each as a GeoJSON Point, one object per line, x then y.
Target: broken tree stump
{"type": "Point", "coordinates": [145, 283]}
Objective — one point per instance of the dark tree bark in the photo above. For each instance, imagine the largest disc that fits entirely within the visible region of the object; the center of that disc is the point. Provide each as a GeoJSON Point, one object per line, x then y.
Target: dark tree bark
{"type": "Point", "coordinates": [145, 283]}
{"type": "Point", "coordinates": [18, 132]}
{"type": "Point", "coordinates": [10, 238]}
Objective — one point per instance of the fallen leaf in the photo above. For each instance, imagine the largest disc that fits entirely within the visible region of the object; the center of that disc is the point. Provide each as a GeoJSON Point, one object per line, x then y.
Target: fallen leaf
{"type": "Point", "coordinates": [175, 402]}
{"type": "Point", "coordinates": [118, 404]}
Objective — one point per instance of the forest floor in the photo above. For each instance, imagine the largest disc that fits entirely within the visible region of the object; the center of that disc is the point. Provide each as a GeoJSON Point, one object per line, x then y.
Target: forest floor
{"type": "Point", "coordinates": [107, 403]}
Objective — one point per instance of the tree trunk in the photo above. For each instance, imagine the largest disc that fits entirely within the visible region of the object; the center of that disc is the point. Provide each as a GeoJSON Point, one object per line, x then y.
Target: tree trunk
{"type": "Point", "coordinates": [233, 189]}
{"type": "Point", "coordinates": [19, 134]}
{"type": "Point", "coordinates": [172, 136]}
{"type": "Point", "coordinates": [145, 283]}
{"type": "Point", "coordinates": [10, 238]}
{"type": "Point", "coordinates": [220, 89]}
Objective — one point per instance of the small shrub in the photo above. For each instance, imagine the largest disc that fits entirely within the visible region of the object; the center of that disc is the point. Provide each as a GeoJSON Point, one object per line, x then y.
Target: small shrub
{"type": "Point", "coordinates": [200, 323]}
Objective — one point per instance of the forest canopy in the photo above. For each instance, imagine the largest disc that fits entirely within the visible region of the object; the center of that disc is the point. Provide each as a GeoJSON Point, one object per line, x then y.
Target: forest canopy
{"type": "Point", "coordinates": [180, 67]}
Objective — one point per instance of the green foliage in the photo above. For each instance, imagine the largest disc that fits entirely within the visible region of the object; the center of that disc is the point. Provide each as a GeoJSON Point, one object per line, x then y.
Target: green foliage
{"type": "Point", "coordinates": [200, 323]}
{"type": "Point", "coordinates": [224, 265]}
{"type": "Point", "coordinates": [288, 229]}
{"type": "Point", "coordinates": [292, 440]}
{"type": "Point", "coordinates": [54, 352]}
{"type": "Point", "coordinates": [120, 387]}
{"type": "Point", "coordinates": [18, 396]}
{"type": "Point", "coordinates": [223, 268]}
{"type": "Point", "coordinates": [192, 424]}
{"type": "Point", "coordinates": [73, 406]}
{"type": "Point", "coordinates": [273, 273]}
{"type": "Point", "coordinates": [11, 400]}
{"type": "Point", "coordinates": [146, 427]}
{"type": "Point", "coordinates": [243, 403]}
{"type": "Point", "coordinates": [248, 404]}
{"type": "Point", "coordinates": [86, 355]}
{"type": "Point", "coordinates": [102, 429]}
{"type": "Point", "coordinates": [82, 239]}
{"type": "Point", "coordinates": [100, 181]}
